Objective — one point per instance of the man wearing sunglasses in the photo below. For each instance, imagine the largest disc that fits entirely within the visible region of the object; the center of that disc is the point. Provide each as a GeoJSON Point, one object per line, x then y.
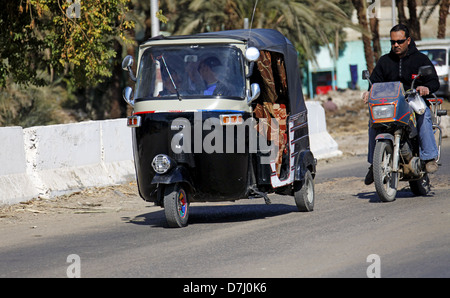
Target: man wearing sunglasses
{"type": "Point", "coordinates": [400, 64]}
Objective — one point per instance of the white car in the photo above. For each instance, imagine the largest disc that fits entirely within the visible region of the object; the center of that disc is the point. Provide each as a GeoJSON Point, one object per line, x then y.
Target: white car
{"type": "Point", "coordinates": [438, 51]}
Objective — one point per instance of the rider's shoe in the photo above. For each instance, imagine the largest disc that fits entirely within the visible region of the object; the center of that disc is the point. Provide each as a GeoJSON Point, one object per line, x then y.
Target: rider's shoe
{"type": "Point", "coordinates": [369, 176]}
{"type": "Point", "coordinates": [431, 166]}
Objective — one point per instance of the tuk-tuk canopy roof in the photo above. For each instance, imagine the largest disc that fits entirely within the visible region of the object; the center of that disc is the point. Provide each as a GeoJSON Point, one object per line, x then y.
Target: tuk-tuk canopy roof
{"type": "Point", "coordinates": [268, 40]}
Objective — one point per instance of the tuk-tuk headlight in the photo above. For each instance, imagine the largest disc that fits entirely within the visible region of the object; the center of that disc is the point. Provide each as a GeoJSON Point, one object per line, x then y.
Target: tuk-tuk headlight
{"type": "Point", "coordinates": [161, 163]}
{"type": "Point", "coordinates": [383, 111]}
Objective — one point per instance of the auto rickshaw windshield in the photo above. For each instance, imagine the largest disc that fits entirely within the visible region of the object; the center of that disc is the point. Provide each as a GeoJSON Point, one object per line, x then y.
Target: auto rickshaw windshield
{"type": "Point", "coordinates": [191, 72]}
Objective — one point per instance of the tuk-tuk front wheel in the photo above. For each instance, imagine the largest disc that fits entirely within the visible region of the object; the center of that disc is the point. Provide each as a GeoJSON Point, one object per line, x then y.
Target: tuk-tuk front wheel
{"type": "Point", "coordinates": [304, 193]}
{"type": "Point", "coordinates": [176, 205]}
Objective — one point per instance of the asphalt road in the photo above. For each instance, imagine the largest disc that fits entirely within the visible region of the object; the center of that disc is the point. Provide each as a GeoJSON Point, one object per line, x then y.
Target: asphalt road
{"type": "Point", "coordinates": [349, 234]}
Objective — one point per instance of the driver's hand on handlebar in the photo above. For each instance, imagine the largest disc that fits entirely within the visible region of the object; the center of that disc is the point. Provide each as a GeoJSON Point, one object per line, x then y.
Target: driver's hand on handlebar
{"type": "Point", "coordinates": [365, 96]}
{"type": "Point", "coordinates": [423, 90]}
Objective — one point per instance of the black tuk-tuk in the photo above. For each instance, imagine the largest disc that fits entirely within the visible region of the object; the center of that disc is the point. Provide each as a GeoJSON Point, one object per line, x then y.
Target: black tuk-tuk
{"type": "Point", "coordinates": [219, 116]}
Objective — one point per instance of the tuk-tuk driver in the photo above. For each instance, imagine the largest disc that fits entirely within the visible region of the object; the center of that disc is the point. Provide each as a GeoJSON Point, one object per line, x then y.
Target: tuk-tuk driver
{"type": "Point", "coordinates": [208, 69]}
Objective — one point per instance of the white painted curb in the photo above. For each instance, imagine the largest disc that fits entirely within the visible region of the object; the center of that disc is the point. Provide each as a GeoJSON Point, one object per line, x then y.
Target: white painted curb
{"type": "Point", "coordinates": [321, 143]}
{"type": "Point", "coordinates": [15, 184]}
{"type": "Point", "coordinates": [47, 161]}
{"type": "Point", "coordinates": [445, 126]}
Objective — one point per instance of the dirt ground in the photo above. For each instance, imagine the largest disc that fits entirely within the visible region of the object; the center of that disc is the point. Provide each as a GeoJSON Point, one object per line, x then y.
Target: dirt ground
{"type": "Point", "coordinates": [347, 125]}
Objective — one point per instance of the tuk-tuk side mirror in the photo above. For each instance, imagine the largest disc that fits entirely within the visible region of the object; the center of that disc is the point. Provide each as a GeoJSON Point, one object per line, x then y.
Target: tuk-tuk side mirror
{"type": "Point", "coordinates": [127, 96]}
{"type": "Point", "coordinates": [127, 62]}
{"type": "Point", "coordinates": [252, 54]}
{"type": "Point", "coordinates": [126, 65]}
{"type": "Point", "coordinates": [255, 92]}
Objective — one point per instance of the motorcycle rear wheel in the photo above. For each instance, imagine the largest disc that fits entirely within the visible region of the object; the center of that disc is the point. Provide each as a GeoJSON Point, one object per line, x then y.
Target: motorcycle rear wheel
{"type": "Point", "coordinates": [386, 181]}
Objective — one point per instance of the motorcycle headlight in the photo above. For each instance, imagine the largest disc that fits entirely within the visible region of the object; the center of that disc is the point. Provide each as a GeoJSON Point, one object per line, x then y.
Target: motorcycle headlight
{"type": "Point", "coordinates": [383, 111]}
{"type": "Point", "coordinates": [161, 163]}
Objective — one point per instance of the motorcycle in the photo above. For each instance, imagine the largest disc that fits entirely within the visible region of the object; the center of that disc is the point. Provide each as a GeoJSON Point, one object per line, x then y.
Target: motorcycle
{"type": "Point", "coordinates": [396, 155]}
{"type": "Point", "coordinates": [219, 116]}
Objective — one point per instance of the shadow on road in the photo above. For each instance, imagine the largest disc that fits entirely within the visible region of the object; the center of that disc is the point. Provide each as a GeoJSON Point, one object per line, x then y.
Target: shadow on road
{"type": "Point", "coordinates": [372, 196]}
{"type": "Point", "coordinates": [212, 214]}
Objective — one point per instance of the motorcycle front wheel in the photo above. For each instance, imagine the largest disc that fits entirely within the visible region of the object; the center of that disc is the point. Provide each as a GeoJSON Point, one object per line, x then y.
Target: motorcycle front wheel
{"type": "Point", "coordinates": [386, 181]}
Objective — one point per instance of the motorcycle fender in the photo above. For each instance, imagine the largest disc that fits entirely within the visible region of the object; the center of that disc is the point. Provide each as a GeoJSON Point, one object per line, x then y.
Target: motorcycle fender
{"type": "Point", "coordinates": [385, 136]}
{"type": "Point", "coordinates": [178, 174]}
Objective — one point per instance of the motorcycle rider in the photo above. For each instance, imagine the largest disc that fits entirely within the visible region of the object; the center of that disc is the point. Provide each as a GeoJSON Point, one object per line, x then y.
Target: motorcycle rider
{"type": "Point", "coordinates": [400, 64]}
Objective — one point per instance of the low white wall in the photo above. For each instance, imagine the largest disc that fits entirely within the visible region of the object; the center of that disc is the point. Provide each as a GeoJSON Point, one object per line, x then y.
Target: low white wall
{"type": "Point", "coordinates": [47, 161]}
{"type": "Point", "coordinates": [321, 143]}
{"type": "Point", "coordinates": [15, 184]}
{"type": "Point", "coordinates": [445, 126]}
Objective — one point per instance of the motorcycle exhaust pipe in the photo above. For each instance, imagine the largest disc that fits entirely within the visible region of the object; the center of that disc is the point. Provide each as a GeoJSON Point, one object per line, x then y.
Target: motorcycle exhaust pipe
{"type": "Point", "coordinates": [416, 165]}
{"type": "Point", "coordinates": [413, 168]}
{"type": "Point", "coordinates": [412, 165]}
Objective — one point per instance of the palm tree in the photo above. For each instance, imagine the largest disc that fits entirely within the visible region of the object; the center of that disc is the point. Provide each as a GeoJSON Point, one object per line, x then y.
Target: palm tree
{"type": "Point", "coordinates": [414, 23]}
{"type": "Point", "coordinates": [425, 14]}
{"type": "Point", "coordinates": [361, 9]}
{"type": "Point", "coordinates": [307, 23]}
{"type": "Point", "coordinates": [443, 13]}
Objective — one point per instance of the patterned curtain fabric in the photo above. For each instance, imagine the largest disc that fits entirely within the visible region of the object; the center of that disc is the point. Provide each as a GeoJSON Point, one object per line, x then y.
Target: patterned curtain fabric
{"type": "Point", "coordinates": [273, 74]}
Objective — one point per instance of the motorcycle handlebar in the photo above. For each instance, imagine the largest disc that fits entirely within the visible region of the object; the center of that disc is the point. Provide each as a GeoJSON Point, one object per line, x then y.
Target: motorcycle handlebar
{"type": "Point", "coordinates": [414, 92]}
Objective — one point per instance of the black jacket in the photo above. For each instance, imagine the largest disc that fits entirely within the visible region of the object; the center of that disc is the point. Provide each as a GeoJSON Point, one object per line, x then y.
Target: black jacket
{"type": "Point", "coordinates": [391, 68]}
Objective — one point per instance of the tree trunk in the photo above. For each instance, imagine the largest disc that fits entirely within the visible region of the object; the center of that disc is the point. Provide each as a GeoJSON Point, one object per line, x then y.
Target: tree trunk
{"type": "Point", "coordinates": [116, 109]}
{"type": "Point", "coordinates": [401, 12]}
{"type": "Point", "coordinates": [414, 24]}
{"type": "Point", "coordinates": [375, 38]}
{"type": "Point", "coordinates": [443, 13]}
{"type": "Point", "coordinates": [360, 6]}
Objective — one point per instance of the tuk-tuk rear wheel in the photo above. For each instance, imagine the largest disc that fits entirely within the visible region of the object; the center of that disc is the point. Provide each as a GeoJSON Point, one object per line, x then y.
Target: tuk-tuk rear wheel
{"type": "Point", "coordinates": [176, 205]}
{"type": "Point", "coordinates": [304, 193]}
